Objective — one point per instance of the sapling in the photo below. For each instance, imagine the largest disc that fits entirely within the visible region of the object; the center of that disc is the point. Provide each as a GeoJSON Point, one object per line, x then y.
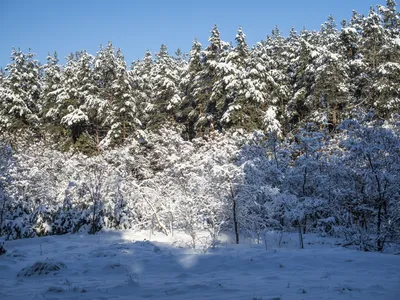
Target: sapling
{"type": "Point", "coordinates": [2, 247]}
{"type": "Point", "coordinates": [265, 234]}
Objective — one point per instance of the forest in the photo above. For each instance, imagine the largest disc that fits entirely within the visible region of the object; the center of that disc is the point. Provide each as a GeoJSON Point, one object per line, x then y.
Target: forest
{"type": "Point", "coordinates": [296, 132]}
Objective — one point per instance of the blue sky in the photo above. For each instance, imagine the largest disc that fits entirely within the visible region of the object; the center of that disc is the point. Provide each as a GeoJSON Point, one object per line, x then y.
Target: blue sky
{"type": "Point", "coordinates": [134, 25]}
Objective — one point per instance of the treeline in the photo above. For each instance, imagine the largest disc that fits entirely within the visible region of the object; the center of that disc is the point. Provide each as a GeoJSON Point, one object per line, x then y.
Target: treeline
{"type": "Point", "coordinates": [279, 84]}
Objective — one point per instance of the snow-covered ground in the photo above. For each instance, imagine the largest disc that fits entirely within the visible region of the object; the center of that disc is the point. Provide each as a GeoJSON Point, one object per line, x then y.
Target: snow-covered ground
{"type": "Point", "coordinates": [123, 265]}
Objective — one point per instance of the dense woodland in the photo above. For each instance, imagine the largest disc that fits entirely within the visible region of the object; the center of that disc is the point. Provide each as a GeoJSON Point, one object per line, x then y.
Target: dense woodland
{"type": "Point", "coordinates": [297, 131]}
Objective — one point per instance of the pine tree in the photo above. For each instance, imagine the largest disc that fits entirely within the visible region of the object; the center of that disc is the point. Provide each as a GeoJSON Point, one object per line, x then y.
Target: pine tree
{"type": "Point", "coordinates": [123, 114]}
{"type": "Point", "coordinates": [227, 91]}
{"type": "Point", "coordinates": [349, 48]}
{"type": "Point", "coordinates": [278, 59]}
{"type": "Point", "coordinates": [116, 103]}
{"type": "Point", "coordinates": [385, 85]}
{"type": "Point", "coordinates": [140, 77]}
{"type": "Point", "coordinates": [293, 43]}
{"type": "Point", "coordinates": [372, 40]}
{"type": "Point", "coordinates": [52, 83]}
{"type": "Point", "coordinates": [2, 77]}
{"type": "Point", "coordinates": [328, 34]}
{"type": "Point", "coordinates": [78, 86]}
{"type": "Point", "coordinates": [238, 92]}
{"type": "Point", "coordinates": [381, 58]}
{"type": "Point", "coordinates": [21, 93]}
{"type": "Point", "coordinates": [303, 65]}
{"type": "Point", "coordinates": [331, 87]}
{"type": "Point", "coordinates": [6, 96]}
{"type": "Point", "coordinates": [190, 80]}
{"type": "Point", "coordinates": [390, 18]}
{"type": "Point", "coordinates": [204, 108]}
{"type": "Point", "coordinates": [166, 77]}
{"type": "Point", "coordinates": [53, 93]}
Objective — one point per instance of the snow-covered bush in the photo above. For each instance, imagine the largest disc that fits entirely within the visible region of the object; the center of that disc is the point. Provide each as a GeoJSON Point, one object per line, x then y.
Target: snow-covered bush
{"type": "Point", "coordinates": [234, 181]}
{"type": "Point", "coordinates": [372, 157]}
{"type": "Point", "coordinates": [18, 228]}
{"type": "Point", "coordinates": [42, 268]}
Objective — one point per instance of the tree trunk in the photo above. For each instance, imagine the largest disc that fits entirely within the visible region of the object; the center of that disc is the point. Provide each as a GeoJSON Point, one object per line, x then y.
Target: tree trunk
{"type": "Point", "coordinates": [93, 229]}
{"type": "Point", "coordinates": [123, 130]}
{"type": "Point", "coordinates": [374, 63]}
{"type": "Point", "coordinates": [334, 115]}
{"type": "Point", "coordinates": [300, 235]}
{"type": "Point", "coordinates": [235, 222]}
{"type": "Point", "coordinates": [97, 139]}
{"type": "Point", "coordinates": [157, 218]}
{"type": "Point", "coordinates": [303, 188]}
{"type": "Point", "coordinates": [380, 242]}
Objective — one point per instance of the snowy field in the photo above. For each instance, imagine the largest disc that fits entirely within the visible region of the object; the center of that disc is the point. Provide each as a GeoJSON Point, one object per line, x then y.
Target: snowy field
{"type": "Point", "coordinates": [123, 265]}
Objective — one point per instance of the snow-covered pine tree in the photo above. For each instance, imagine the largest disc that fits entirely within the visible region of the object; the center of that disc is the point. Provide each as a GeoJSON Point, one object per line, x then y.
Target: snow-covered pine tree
{"type": "Point", "coordinates": [385, 86]}
{"type": "Point", "coordinates": [204, 108]}
{"type": "Point", "coordinates": [390, 18]}
{"type": "Point", "coordinates": [52, 82]}
{"type": "Point", "coordinates": [277, 59]}
{"type": "Point", "coordinates": [167, 73]}
{"type": "Point", "coordinates": [21, 92]}
{"type": "Point", "coordinates": [53, 98]}
{"type": "Point", "coordinates": [116, 103]}
{"type": "Point", "coordinates": [348, 48]}
{"type": "Point", "coordinates": [328, 34]}
{"type": "Point", "coordinates": [331, 87]}
{"type": "Point", "coordinates": [190, 80]}
{"type": "Point", "coordinates": [5, 164]}
{"type": "Point", "coordinates": [228, 90]}
{"type": "Point", "coordinates": [57, 96]}
{"type": "Point", "coordinates": [78, 84]}
{"type": "Point", "coordinates": [372, 43]}
{"type": "Point", "coordinates": [281, 54]}
{"type": "Point", "coordinates": [90, 102]}
{"type": "Point", "coordinates": [302, 79]}
{"type": "Point", "coordinates": [293, 46]}
{"type": "Point", "coordinates": [140, 77]}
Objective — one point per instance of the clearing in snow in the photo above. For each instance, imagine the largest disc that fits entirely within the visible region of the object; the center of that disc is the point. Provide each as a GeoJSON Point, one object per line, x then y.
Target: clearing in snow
{"type": "Point", "coordinates": [124, 265]}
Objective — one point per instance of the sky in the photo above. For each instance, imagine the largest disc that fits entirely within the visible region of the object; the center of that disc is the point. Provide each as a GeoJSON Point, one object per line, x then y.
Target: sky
{"type": "Point", "coordinates": [136, 25]}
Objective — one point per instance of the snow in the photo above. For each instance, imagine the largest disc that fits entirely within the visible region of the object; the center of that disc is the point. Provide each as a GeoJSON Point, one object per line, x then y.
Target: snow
{"type": "Point", "coordinates": [76, 116]}
{"type": "Point", "coordinates": [124, 265]}
{"type": "Point", "coordinates": [349, 30]}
